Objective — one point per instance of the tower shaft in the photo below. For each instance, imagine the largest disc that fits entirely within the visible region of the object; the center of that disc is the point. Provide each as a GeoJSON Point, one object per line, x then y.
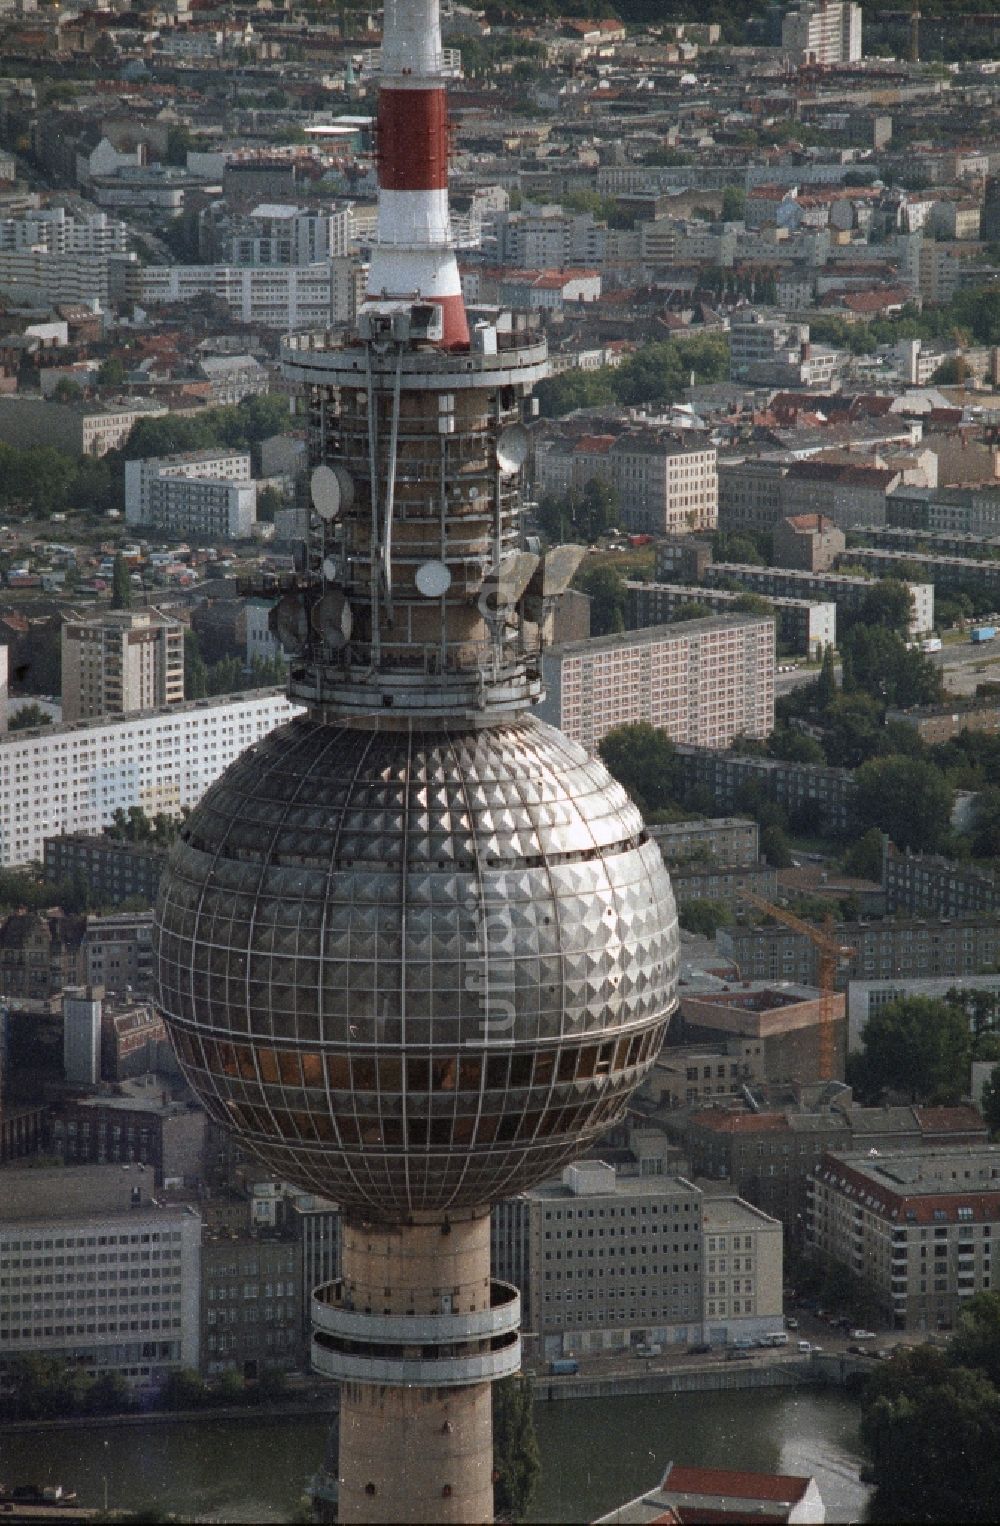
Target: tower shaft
{"type": "Point", "coordinates": [416, 1331]}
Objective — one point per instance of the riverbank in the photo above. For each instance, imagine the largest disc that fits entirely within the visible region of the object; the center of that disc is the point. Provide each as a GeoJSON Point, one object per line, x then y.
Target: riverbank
{"type": "Point", "coordinates": [313, 1407]}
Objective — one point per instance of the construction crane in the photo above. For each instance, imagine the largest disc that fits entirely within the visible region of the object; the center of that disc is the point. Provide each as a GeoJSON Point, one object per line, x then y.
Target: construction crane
{"type": "Point", "coordinates": [830, 953]}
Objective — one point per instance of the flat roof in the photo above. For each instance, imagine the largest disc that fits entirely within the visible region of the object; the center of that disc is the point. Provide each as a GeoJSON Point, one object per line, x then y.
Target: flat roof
{"type": "Point", "coordinates": [74, 1192]}
{"type": "Point", "coordinates": [654, 633]}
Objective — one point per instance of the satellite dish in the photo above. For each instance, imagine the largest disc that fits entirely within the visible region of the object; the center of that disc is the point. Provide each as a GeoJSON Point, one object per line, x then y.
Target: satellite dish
{"type": "Point", "coordinates": [333, 619]}
{"type": "Point", "coordinates": [325, 491]}
{"type": "Point", "coordinates": [513, 576]}
{"type": "Point", "coordinates": [512, 449]}
{"type": "Point", "coordinates": [330, 569]}
{"type": "Point", "coordinates": [433, 579]}
{"type": "Point", "coordinates": [290, 622]}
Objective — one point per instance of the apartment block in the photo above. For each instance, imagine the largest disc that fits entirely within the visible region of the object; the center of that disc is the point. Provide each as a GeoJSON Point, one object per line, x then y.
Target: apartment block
{"type": "Point", "coordinates": [120, 662]}
{"type": "Point", "coordinates": [709, 839]}
{"type": "Point", "coordinates": [812, 793]}
{"type": "Point", "coordinates": [916, 1228]}
{"type": "Point", "coordinates": [665, 485]}
{"type": "Point", "coordinates": [822, 32]}
{"type": "Point", "coordinates": [38, 275]}
{"type": "Point", "coordinates": [284, 297]}
{"type": "Point", "coordinates": [726, 883]}
{"type": "Point", "coordinates": [117, 952]}
{"type": "Point", "coordinates": [750, 493]}
{"type": "Point", "coordinates": [251, 1304]}
{"type": "Point", "coordinates": [947, 510]}
{"type": "Point", "coordinates": [704, 681]}
{"type": "Point", "coordinates": [278, 233]}
{"type": "Point", "coordinates": [944, 572]}
{"type": "Point", "coordinates": [803, 627]}
{"type": "Point", "coordinates": [926, 882]}
{"type": "Point", "coordinates": [910, 947]}
{"type": "Point", "coordinates": [114, 871]}
{"type": "Point", "coordinates": [846, 591]}
{"type": "Point", "coordinates": [775, 352]}
{"type": "Point", "coordinates": [73, 778]}
{"type": "Point", "coordinates": [841, 491]}
{"type": "Point", "coordinates": [96, 1274]}
{"type": "Point", "coordinates": [203, 493]}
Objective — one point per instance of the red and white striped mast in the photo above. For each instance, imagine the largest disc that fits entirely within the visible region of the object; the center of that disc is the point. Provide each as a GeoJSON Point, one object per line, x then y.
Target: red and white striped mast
{"type": "Point", "coordinates": [413, 258]}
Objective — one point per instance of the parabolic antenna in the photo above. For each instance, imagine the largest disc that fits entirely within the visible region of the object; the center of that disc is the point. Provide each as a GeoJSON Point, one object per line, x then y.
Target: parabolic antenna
{"type": "Point", "coordinates": [325, 491]}
{"type": "Point", "coordinates": [290, 622]}
{"type": "Point", "coordinates": [512, 449]}
{"type": "Point", "coordinates": [332, 619]}
{"type": "Point", "coordinates": [513, 576]}
{"type": "Point", "coordinates": [433, 579]}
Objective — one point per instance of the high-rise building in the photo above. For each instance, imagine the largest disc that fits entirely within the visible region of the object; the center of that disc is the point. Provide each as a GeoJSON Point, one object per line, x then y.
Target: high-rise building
{"type": "Point", "coordinates": [119, 662]}
{"type": "Point", "coordinates": [416, 949]}
{"type": "Point", "coordinates": [82, 1035]}
{"type": "Point", "coordinates": [205, 492]}
{"type": "Point", "coordinates": [822, 32]}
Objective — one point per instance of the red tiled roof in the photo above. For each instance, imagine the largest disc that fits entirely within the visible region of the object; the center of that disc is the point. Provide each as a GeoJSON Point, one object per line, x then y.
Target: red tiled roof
{"type": "Point", "coordinates": [741, 1123]}
{"type": "Point", "coordinates": [949, 1120]}
{"type": "Point", "coordinates": [731, 1483]}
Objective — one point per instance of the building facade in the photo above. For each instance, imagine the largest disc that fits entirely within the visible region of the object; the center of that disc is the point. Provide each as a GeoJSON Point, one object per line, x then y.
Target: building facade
{"type": "Point", "coordinates": [917, 1229]}
{"type": "Point", "coordinates": [911, 947]}
{"type": "Point", "coordinates": [114, 871]}
{"type": "Point", "coordinates": [119, 662]}
{"type": "Point", "coordinates": [704, 681]}
{"type": "Point", "coordinates": [802, 626]}
{"type": "Point", "coordinates": [73, 778]}
{"type": "Point", "coordinates": [203, 493]}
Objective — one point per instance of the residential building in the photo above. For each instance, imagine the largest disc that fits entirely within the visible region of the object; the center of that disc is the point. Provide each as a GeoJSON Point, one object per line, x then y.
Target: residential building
{"type": "Point", "coordinates": [73, 778]}
{"type": "Point", "coordinates": [40, 953]}
{"type": "Point", "coordinates": [915, 1228]}
{"type": "Point", "coordinates": [847, 592]}
{"type": "Point", "coordinates": [80, 429]}
{"type": "Point", "coordinates": [36, 275]}
{"type": "Point", "coordinates": [682, 559]}
{"type": "Point", "coordinates": [277, 233]}
{"type": "Point", "coordinates": [251, 1304]}
{"type": "Point", "coordinates": [234, 377]}
{"type": "Point", "coordinates": [97, 1274]}
{"type": "Point", "coordinates": [723, 1494]}
{"type": "Point", "coordinates": [945, 572]}
{"type": "Point", "coordinates": [694, 1075]}
{"type": "Point", "coordinates": [952, 510]}
{"type": "Point", "coordinates": [616, 1261]}
{"type": "Point", "coordinates": [927, 882]}
{"type": "Point", "coordinates": [720, 882]}
{"type": "Point", "coordinates": [810, 542]}
{"type": "Point", "coordinates": [666, 483]}
{"type": "Point", "coordinates": [205, 493]}
{"type": "Point", "coordinates": [57, 230]}
{"type": "Point", "coordinates": [813, 794]}
{"type": "Point", "coordinates": [708, 839]}
{"type": "Point", "coordinates": [910, 947]}
{"type": "Point", "coordinates": [802, 626]}
{"type": "Point", "coordinates": [120, 662]}
{"type": "Point", "coordinates": [841, 491]}
{"type": "Point", "coordinates": [117, 952]}
{"type": "Point", "coordinates": [283, 297]}
{"type": "Point", "coordinates": [750, 493]}
{"type": "Point", "coordinates": [704, 681]}
{"type": "Point", "coordinates": [775, 352]}
{"type": "Point", "coordinates": [822, 32]}
{"type": "Point", "coordinates": [114, 871]}
{"type": "Point", "coordinates": [133, 1039]}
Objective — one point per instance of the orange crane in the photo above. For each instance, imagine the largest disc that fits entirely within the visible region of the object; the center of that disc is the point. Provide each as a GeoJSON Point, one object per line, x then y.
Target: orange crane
{"type": "Point", "coordinates": [830, 955]}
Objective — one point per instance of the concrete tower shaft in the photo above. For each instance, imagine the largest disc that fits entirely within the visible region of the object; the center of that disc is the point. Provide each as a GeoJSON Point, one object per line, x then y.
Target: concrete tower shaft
{"type": "Point", "coordinates": [413, 258]}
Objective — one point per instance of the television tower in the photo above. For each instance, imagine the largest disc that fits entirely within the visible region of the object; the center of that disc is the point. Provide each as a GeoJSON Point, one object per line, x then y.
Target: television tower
{"type": "Point", "coordinates": [416, 948]}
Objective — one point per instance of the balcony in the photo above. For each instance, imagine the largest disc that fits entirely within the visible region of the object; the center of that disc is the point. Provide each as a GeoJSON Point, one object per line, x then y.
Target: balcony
{"type": "Point", "coordinates": [331, 1316]}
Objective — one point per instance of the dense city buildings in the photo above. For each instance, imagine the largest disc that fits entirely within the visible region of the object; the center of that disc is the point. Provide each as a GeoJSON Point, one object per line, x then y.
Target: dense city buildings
{"type": "Point", "coordinates": [705, 681]}
{"type": "Point", "coordinates": [113, 870]}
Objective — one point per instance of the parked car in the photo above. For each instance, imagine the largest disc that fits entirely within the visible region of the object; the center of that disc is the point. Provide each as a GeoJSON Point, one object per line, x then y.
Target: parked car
{"type": "Point", "coordinates": [791, 1324]}
{"type": "Point", "coordinates": [702, 1350]}
{"type": "Point", "coordinates": [862, 1335]}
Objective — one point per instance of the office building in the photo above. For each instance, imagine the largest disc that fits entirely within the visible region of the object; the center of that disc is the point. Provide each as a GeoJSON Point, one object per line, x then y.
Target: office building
{"type": "Point", "coordinates": [116, 952]}
{"type": "Point", "coordinates": [203, 493]}
{"type": "Point", "coordinates": [916, 1228]}
{"type": "Point", "coordinates": [775, 352]}
{"type": "Point", "coordinates": [120, 662]}
{"type": "Point", "coordinates": [803, 626]}
{"type": "Point", "coordinates": [140, 1126]}
{"type": "Point", "coordinates": [73, 778]}
{"type": "Point", "coordinates": [98, 1275]}
{"type": "Point", "coordinates": [785, 1025]}
{"type": "Point", "coordinates": [703, 681]}
{"type": "Point", "coordinates": [81, 1035]}
{"type": "Point", "coordinates": [283, 297]}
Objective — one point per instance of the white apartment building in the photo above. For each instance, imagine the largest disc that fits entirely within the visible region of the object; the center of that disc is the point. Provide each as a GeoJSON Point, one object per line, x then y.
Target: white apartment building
{"type": "Point", "coordinates": [285, 297]}
{"type": "Point", "coordinates": [119, 662]}
{"type": "Point", "coordinates": [205, 493]}
{"type": "Point", "coordinates": [776, 352]}
{"type": "Point", "coordinates": [57, 231]}
{"type": "Point", "coordinates": [822, 32]}
{"type": "Point", "coordinates": [73, 778]}
{"type": "Point", "coordinates": [65, 277]}
{"type": "Point", "coordinates": [261, 642]}
{"type": "Point", "coordinates": [703, 681]}
{"type": "Point", "coordinates": [93, 1272]}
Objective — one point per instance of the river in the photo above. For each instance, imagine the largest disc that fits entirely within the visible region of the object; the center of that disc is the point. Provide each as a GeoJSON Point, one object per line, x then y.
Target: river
{"type": "Point", "coordinates": [596, 1453]}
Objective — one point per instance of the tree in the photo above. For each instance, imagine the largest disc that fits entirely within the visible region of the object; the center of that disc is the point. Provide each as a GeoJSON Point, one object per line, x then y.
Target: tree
{"type": "Point", "coordinates": [734, 201]}
{"type": "Point", "coordinates": [906, 797]}
{"type": "Point", "coordinates": [991, 1102]}
{"type": "Point", "coordinates": [753, 604]}
{"type": "Point", "coordinates": [641, 758]}
{"type": "Point", "coordinates": [121, 584]}
{"type": "Point", "coordinates": [986, 823]}
{"type": "Point", "coordinates": [775, 847]}
{"type": "Point", "coordinates": [269, 501]}
{"type": "Point", "coordinates": [693, 609]}
{"type": "Point", "coordinates": [826, 683]}
{"type": "Point", "coordinates": [864, 857]}
{"type": "Point", "coordinates": [703, 916]}
{"type": "Point", "coordinates": [918, 1046]}
{"type": "Point", "coordinates": [111, 372]}
{"type": "Point", "coordinates": [195, 668]}
{"type": "Point", "coordinates": [794, 746]}
{"type": "Point", "coordinates": [517, 1463]}
{"type": "Point", "coordinates": [977, 1340]}
{"type": "Point", "coordinates": [27, 716]}
{"type": "Point", "coordinates": [67, 391]}
{"type": "Point", "coordinates": [182, 1390]}
{"type": "Point", "coordinates": [606, 590]}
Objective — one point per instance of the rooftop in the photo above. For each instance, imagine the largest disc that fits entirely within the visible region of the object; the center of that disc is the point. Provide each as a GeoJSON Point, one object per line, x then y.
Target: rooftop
{"type": "Point", "coordinates": [654, 633]}
{"type": "Point", "coordinates": [74, 1192]}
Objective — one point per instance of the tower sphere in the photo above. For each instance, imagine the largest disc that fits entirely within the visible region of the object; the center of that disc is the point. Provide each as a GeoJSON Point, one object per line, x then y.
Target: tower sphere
{"type": "Point", "coordinates": [416, 971]}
